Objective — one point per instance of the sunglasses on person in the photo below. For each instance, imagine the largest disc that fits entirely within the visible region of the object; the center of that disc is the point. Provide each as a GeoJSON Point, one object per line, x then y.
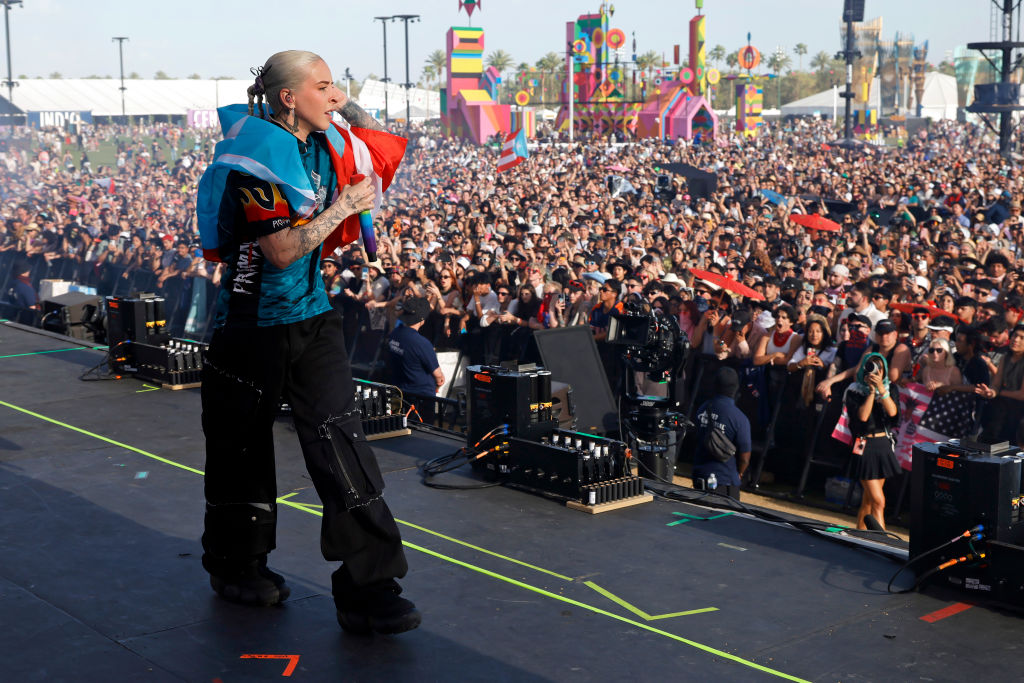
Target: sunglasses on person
{"type": "Point", "coordinates": [921, 316]}
{"type": "Point", "coordinates": [631, 285]}
{"type": "Point", "coordinates": [503, 292]}
{"type": "Point", "coordinates": [607, 289]}
{"type": "Point", "coordinates": [878, 296]}
{"type": "Point", "coordinates": [936, 349]}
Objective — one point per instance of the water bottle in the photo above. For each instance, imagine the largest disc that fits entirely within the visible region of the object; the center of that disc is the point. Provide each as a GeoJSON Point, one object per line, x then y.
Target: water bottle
{"type": "Point", "coordinates": [712, 481]}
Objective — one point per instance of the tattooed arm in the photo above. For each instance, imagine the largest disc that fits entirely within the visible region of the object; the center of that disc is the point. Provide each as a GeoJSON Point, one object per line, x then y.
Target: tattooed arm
{"type": "Point", "coordinates": [287, 246]}
{"type": "Point", "coordinates": [358, 117]}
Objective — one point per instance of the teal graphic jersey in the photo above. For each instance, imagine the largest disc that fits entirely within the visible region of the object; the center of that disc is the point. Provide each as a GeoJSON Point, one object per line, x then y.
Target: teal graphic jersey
{"type": "Point", "coordinates": [254, 292]}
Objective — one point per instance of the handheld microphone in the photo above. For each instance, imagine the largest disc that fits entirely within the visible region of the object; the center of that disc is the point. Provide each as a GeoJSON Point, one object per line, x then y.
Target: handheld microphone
{"type": "Point", "coordinates": [369, 239]}
{"type": "Point", "coordinates": [366, 228]}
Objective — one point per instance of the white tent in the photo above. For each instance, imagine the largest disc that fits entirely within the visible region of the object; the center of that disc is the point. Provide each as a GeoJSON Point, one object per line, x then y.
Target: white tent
{"type": "Point", "coordinates": [102, 97]}
{"type": "Point", "coordinates": [939, 100]}
{"type": "Point", "coordinates": [423, 104]}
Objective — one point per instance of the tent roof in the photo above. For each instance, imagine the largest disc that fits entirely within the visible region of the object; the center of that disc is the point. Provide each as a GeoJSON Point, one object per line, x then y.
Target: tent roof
{"type": "Point", "coordinates": [939, 91]}
{"type": "Point", "coordinates": [142, 97]}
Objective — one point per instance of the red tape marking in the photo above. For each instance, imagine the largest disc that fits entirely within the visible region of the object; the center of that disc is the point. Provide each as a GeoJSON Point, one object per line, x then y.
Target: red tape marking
{"type": "Point", "coordinates": [955, 608]}
{"type": "Point", "coordinates": [294, 660]}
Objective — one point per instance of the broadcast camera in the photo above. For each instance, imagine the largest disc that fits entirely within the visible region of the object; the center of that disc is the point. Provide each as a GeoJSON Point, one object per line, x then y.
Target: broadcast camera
{"type": "Point", "coordinates": [652, 343]}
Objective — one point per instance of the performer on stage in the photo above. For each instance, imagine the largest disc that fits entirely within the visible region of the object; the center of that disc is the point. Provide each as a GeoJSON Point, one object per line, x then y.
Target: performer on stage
{"type": "Point", "coordinates": [281, 183]}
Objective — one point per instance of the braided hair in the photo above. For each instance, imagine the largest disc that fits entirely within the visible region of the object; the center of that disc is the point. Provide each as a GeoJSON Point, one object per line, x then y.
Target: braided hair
{"type": "Point", "coordinates": [283, 70]}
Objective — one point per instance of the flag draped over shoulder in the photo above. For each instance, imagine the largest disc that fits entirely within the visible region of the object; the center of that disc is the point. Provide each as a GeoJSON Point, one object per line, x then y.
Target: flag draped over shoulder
{"type": "Point", "coordinates": [514, 151]}
{"type": "Point", "coordinates": [263, 149]}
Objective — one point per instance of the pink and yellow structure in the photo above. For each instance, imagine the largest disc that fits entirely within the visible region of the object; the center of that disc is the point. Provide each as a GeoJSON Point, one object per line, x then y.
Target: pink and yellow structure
{"type": "Point", "coordinates": [674, 105]}
{"type": "Point", "coordinates": [469, 107]}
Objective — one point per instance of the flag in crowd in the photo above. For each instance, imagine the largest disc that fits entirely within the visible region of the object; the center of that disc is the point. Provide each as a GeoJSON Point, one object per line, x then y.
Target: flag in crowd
{"type": "Point", "coordinates": [514, 151]}
{"type": "Point", "coordinates": [917, 424]}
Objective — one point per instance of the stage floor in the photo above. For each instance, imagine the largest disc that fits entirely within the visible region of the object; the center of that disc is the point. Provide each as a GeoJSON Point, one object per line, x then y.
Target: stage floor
{"type": "Point", "coordinates": [100, 575]}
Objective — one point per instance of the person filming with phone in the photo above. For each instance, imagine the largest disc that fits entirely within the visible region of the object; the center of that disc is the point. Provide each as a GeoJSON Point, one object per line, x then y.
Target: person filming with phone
{"type": "Point", "coordinates": [872, 404]}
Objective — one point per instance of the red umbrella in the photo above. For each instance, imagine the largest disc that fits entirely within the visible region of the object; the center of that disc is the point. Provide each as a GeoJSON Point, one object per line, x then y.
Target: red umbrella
{"type": "Point", "coordinates": [933, 311]}
{"type": "Point", "coordinates": [814, 221]}
{"type": "Point", "coordinates": [726, 283]}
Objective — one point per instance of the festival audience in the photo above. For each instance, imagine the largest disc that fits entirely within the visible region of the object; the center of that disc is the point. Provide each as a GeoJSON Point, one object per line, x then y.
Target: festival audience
{"type": "Point", "coordinates": [925, 251]}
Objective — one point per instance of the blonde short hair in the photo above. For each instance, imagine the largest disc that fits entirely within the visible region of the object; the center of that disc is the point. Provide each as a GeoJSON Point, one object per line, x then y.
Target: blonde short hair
{"type": "Point", "coordinates": [283, 70]}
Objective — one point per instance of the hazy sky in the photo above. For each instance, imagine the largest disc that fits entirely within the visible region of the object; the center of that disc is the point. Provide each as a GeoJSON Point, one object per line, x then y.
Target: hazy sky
{"type": "Point", "coordinates": [226, 37]}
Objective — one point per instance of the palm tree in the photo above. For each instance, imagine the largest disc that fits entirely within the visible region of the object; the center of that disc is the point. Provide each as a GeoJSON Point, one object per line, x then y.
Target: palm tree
{"type": "Point", "coordinates": [429, 74]}
{"type": "Point", "coordinates": [821, 61]}
{"type": "Point", "coordinates": [732, 60]}
{"type": "Point", "coordinates": [648, 61]}
{"type": "Point", "coordinates": [779, 61]}
{"type": "Point", "coordinates": [438, 61]}
{"type": "Point", "coordinates": [717, 54]}
{"type": "Point", "coordinates": [548, 65]}
{"type": "Point", "coordinates": [500, 60]}
{"type": "Point", "coordinates": [800, 50]}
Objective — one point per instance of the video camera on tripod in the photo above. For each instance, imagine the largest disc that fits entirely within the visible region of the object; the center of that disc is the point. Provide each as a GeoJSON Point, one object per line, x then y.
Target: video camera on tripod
{"type": "Point", "coordinates": [651, 343]}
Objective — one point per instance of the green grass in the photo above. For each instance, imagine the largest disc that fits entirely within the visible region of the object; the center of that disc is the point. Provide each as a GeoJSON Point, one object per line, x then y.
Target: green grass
{"type": "Point", "coordinates": [106, 155]}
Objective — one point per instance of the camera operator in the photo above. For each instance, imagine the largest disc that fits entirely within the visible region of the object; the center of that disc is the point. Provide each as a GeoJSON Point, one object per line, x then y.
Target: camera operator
{"type": "Point", "coordinates": [720, 413]}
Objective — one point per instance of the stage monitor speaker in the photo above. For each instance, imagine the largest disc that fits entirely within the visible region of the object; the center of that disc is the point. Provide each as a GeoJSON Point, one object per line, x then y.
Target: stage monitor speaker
{"type": "Point", "coordinates": [71, 306]}
{"type": "Point", "coordinates": [570, 355]}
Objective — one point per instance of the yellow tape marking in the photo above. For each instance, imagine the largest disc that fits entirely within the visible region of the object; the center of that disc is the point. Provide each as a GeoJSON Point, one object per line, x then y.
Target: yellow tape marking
{"type": "Point", "coordinates": [639, 612]}
{"type": "Point", "coordinates": [540, 591]}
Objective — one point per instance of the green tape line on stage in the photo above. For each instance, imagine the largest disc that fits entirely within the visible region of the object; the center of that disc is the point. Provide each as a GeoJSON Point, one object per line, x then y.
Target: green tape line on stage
{"type": "Point", "coordinates": [481, 570]}
{"type": "Point", "coordinates": [36, 353]}
{"type": "Point", "coordinates": [103, 438]}
{"type": "Point", "coordinates": [598, 610]}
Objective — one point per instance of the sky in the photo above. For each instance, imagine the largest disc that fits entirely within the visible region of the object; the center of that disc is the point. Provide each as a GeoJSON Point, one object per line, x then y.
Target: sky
{"type": "Point", "coordinates": [226, 37]}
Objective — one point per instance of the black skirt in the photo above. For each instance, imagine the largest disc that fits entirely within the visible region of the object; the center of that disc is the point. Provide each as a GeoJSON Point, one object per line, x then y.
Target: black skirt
{"type": "Point", "coordinates": [878, 460]}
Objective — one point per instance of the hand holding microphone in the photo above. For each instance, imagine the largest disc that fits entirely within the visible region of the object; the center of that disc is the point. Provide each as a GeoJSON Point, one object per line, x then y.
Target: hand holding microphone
{"type": "Point", "coordinates": [358, 199]}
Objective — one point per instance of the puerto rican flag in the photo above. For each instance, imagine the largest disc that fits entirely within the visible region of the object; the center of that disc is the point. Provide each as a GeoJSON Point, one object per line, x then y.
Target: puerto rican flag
{"type": "Point", "coordinates": [514, 151]}
{"type": "Point", "coordinates": [267, 151]}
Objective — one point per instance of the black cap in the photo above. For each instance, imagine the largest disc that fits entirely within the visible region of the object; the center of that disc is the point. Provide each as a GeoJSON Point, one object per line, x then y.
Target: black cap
{"type": "Point", "coordinates": [858, 318]}
{"type": "Point", "coordinates": [792, 283]}
{"type": "Point", "coordinates": [740, 317]}
{"type": "Point", "coordinates": [413, 309]}
{"type": "Point", "coordinates": [885, 326]}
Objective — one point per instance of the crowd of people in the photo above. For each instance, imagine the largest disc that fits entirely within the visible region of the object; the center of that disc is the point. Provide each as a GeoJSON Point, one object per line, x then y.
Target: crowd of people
{"type": "Point", "coordinates": [923, 267]}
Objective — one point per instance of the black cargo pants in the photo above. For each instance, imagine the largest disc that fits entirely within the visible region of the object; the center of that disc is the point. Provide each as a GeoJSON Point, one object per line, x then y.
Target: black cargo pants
{"type": "Point", "coordinates": [246, 373]}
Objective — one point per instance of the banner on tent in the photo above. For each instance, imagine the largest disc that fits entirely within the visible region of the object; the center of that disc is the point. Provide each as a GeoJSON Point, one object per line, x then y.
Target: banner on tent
{"type": "Point", "coordinates": [60, 119]}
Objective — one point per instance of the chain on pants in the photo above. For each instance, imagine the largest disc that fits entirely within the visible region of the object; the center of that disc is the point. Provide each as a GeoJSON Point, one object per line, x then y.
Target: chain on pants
{"type": "Point", "coordinates": [246, 374]}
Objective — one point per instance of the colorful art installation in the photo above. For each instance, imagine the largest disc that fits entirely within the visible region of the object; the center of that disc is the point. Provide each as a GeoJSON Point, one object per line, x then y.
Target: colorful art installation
{"type": "Point", "coordinates": [920, 64]}
{"type": "Point", "coordinates": [673, 112]}
{"type": "Point", "coordinates": [865, 117]}
{"type": "Point", "coordinates": [748, 57]}
{"type": "Point", "coordinates": [749, 104]}
{"type": "Point", "coordinates": [673, 103]}
{"type": "Point", "coordinates": [698, 65]}
{"type": "Point", "coordinates": [469, 107]}
{"type": "Point", "coordinates": [526, 120]}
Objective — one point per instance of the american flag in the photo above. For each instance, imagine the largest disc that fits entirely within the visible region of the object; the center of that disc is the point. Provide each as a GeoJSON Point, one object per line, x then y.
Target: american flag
{"type": "Point", "coordinates": [917, 422]}
{"type": "Point", "coordinates": [514, 151]}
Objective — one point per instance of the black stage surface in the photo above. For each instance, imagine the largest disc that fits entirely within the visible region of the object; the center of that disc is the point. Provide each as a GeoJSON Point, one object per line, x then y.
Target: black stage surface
{"type": "Point", "coordinates": [100, 575]}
